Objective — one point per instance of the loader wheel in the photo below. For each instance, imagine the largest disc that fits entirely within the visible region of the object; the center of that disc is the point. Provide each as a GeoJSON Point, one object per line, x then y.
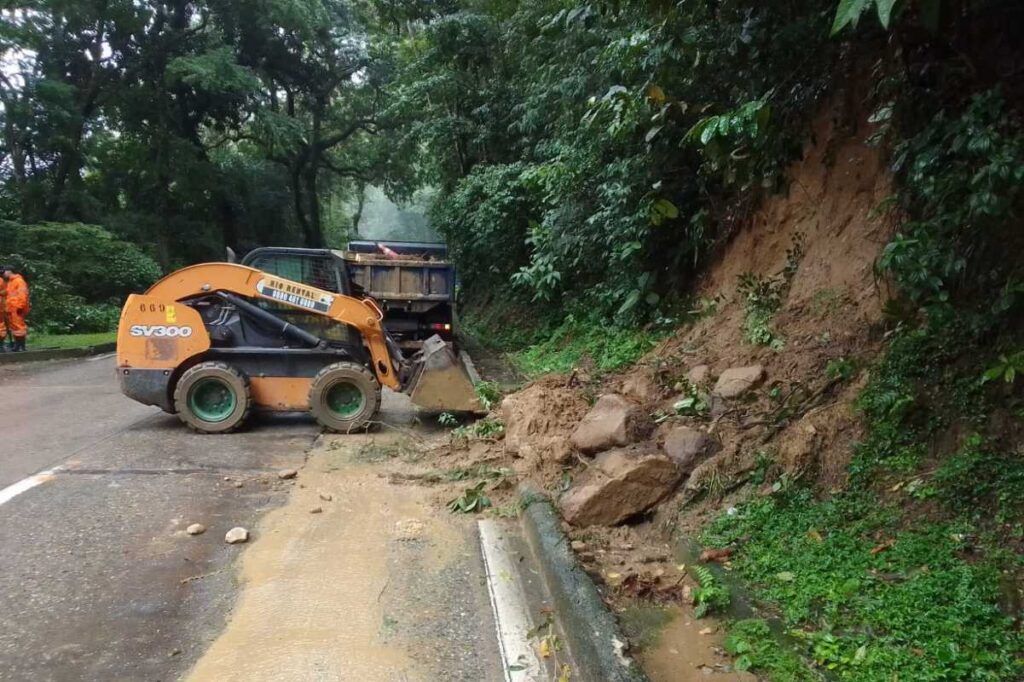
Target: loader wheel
{"type": "Point", "coordinates": [344, 397]}
{"type": "Point", "coordinates": [213, 397]}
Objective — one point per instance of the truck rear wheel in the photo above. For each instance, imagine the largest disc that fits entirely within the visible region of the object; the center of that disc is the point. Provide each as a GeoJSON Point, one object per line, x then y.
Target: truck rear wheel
{"type": "Point", "coordinates": [344, 397]}
{"type": "Point", "coordinates": [213, 397]}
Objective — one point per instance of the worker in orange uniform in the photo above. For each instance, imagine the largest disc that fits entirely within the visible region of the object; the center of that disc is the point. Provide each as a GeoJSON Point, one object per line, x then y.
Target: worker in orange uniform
{"type": "Point", "coordinates": [17, 306]}
{"type": "Point", "coordinates": [3, 314]}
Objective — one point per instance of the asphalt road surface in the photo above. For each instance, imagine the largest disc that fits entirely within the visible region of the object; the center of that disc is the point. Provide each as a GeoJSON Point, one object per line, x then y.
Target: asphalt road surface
{"type": "Point", "coordinates": [98, 580]}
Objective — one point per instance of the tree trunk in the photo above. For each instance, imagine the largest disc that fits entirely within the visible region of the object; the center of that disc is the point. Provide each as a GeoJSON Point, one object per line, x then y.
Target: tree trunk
{"type": "Point", "coordinates": [297, 202]}
{"type": "Point", "coordinates": [360, 205]}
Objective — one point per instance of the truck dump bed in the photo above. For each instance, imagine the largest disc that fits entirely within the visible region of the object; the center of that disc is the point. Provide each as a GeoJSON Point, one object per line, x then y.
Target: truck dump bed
{"type": "Point", "coordinates": [406, 279]}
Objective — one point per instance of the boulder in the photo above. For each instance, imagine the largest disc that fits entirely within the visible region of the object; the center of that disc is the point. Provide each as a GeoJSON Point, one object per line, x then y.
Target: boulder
{"type": "Point", "coordinates": [619, 484]}
{"type": "Point", "coordinates": [698, 375]}
{"type": "Point", "coordinates": [688, 447]}
{"type": "Point", "coordinates": [612, 421]}
{"type": "Point", "coordinates": [536, 420]}
{"type": "Point", "coordinates": [736, 381]}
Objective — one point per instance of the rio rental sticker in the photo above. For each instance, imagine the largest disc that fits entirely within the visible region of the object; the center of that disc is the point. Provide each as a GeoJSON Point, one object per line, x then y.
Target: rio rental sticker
{"type": "Point", "coordinates": [294, 294]}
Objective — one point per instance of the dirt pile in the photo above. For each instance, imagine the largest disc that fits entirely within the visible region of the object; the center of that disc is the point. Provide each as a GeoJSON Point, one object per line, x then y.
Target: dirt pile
{"type": "Point", "coordinates": [538, 422]}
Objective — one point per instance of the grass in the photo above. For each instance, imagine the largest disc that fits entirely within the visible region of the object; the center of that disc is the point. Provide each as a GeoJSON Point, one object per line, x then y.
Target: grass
{"type": "Point", "coordinates": [545, 341]}
{"type": "Point", "coordinates": [575, 342]}
{"type": "Point", "coordinates": [871, 604]}
{"type": "Point", "coordinates": [40, 341]}
{"type": "Point", "coordinates": [901, 576]}
{"type": "Point", "coordinates": [756, 648]}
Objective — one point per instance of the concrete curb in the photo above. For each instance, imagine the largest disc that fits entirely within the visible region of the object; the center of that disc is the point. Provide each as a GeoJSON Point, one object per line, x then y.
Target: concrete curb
{"type": "Point", "coordinates": [591, 631]}
{"type": "Point", "coordinates": [55, 353]}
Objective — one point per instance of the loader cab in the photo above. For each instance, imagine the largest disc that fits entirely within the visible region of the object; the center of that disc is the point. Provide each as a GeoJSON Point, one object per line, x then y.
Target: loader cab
{"type": "Point", "coordinates": [320, 268]}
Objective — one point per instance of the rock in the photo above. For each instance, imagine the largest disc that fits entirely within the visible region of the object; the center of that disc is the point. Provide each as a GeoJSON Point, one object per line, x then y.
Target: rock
{"type": "Point", "coordinates": [237, 484]}
{"type": "Point", "coordinates": [285, 474]}
{"type": "Point", "coordinates": [736, 381]}
{"type": "Point", "coordinates": [641, 387]}
{"type": "Point", "coordinates": [612, 421]}
{"type": "Point", "coordinates": [316, 510]}
{"type": "Point", "coordinates": [688, 447]}
{"type": "Point", "coordinates": [196, 529]}
{"type": "Point", "coordinates": [798, 445]}
{"type": "Point", "coordinates": [654, 558]}
{"type": "Point", "coordinates": [698, 375]}
{"type": "Point", "coordinates": [578, 546]}
{"type": "Point", "coordinates": [326, 497]}
{"type": "Point", "coordinates": [618, 485]}
{"type": "Point", "coordinates": [236, 535]}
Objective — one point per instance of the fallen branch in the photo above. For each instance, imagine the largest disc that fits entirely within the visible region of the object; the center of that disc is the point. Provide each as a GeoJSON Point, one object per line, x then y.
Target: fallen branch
{"type": "Point", "coordinates": [193, 578]}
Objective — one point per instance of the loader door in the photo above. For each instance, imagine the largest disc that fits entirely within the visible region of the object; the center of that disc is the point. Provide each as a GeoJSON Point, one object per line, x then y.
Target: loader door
{"type": "Point", "coordinates": [316, 267]}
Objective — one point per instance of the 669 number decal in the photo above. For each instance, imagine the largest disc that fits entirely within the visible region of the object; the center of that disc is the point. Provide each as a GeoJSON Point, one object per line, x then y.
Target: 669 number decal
{"type": "Point", "coordinates": [160, 330]}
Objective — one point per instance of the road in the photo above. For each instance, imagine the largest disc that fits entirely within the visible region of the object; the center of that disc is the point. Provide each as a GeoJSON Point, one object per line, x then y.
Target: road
{"type": "Point", "coordinates": [96, 573]}
{"type": "Point", "coordinates": [99, 581]}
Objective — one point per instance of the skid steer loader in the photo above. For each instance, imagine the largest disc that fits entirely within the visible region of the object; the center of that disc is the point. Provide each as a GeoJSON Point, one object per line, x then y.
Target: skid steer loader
{"type": "Point", "coordinates": [211, 343]}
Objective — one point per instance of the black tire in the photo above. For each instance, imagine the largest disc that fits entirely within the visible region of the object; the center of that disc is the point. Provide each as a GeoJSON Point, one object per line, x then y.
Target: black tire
{"type": "Point", "coordinates": [356, 405]}
{"type": "Point", "coordinates": [225, 381]}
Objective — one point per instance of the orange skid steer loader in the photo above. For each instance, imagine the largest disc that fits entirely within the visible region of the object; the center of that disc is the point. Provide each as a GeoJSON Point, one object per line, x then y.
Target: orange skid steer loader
{"type": "Point", "coordinates": [210, 343]}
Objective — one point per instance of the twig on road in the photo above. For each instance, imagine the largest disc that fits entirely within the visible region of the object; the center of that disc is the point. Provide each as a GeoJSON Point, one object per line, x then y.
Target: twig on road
{"type": "Point", "coordinates": [192, 578]}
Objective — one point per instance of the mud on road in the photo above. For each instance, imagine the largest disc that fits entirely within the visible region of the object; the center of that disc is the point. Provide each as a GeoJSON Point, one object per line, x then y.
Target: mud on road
{"type": "Point", "coordinates": [358, 579]}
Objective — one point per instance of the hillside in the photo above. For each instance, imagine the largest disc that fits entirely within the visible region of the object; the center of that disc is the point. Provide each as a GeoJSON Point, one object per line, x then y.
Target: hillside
{"type": "Point", "coordinates": [856, 477]}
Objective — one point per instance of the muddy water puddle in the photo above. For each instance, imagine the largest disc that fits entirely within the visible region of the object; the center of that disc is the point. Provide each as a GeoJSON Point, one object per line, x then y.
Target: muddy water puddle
{"type": "Point", "coordinates": [378, 586]}
{"type": "Point", "coordinates": [683, 654]}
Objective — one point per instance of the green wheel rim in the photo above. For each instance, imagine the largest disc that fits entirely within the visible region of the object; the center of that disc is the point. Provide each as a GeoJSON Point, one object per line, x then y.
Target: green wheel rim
{"type": "Point", "coordinates": [212, 399]}
{"type": "Point", "coordinates": [344, 399]}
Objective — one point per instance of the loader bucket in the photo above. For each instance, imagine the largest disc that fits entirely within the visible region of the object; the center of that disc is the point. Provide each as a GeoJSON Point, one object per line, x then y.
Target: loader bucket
{"type": "Point", "coordinates": [439, 381]}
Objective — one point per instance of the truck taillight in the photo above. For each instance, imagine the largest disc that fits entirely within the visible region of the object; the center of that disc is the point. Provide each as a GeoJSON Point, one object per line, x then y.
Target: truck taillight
{"type": "Point", "coordinates": [438, 327]}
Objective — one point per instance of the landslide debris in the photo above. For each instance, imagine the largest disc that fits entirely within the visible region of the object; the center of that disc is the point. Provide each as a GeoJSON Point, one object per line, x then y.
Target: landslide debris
{"type": "Point", "coordinates": [618, 485]}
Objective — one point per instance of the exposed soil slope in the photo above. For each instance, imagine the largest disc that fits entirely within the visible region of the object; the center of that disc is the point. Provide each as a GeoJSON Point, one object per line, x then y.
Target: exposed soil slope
{"type": "Point", "coordinates": [798, 422]}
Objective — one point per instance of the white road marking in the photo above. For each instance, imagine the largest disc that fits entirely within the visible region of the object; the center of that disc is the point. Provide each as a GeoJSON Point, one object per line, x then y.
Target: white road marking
{"type": "Point", "coordinates": [100, 357]}
{"type": "Point", "coordinates": [508, 601]}
{"type": "Point", "coordinates": [15, 489]}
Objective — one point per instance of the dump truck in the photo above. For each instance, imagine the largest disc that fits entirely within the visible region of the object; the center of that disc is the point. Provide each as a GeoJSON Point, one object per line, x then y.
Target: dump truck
{"type": "Point", "coordinates": [413, 282]}
{"type": "Point", "coordinates": [215, 341]}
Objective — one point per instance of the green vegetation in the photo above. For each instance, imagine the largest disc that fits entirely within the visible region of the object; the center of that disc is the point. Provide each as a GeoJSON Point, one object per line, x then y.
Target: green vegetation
{"type": "Point", "coordinates": [710, 596]}
{"type": "Point", "coordinates": [755, 648]}
{"type": "Point", "coordinates": [604, 348]}
{"type": "Point", "coordinates": [480, 429]}
{"type": "Point", "coordinates": [78, 275]}
{"type": "Point", "coordinates": [489, 394]}
{"type": "Point", "coordinates": [72, 340]}
{"type": "Point", "coordinates": [869, 605]}
{"type": "Point", "coordinates": [763, 296]}
{"type": "Point", "coordinates": [588, 155]}
{"type": "Point", "coordinates": [903, 573]}
{"type": "Point", "coordinates": [471, 501]}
